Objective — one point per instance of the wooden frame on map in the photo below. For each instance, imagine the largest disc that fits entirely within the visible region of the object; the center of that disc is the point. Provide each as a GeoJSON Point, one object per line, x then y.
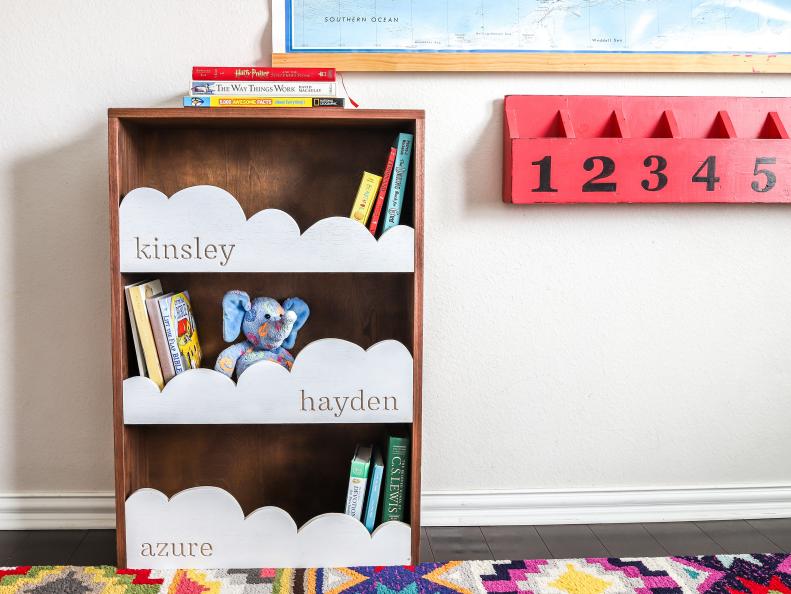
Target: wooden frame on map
{"type": "Point", "coordinates": [366, 61]}
{"type": "Point", "coordinates": [540, 62]}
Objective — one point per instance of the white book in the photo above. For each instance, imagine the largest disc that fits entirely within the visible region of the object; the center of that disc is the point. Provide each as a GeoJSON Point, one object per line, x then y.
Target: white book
{"type": "Point", "coordinates": [263, 89]}
{"type": "Point", "coordinates": [171, 333]}
{"type": "Point", "coordinates": [358, 480]}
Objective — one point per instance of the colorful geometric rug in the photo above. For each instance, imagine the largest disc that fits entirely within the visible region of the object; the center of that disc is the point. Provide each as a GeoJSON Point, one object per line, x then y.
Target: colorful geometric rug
{"type": "Point", "coordinates": [721, 574]}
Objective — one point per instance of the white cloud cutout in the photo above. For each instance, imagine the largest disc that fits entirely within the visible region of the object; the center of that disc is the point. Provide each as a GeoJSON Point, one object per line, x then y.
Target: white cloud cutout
{"type": "Point", "coordinates": [323, 386]}
{"type": "Point", "coordinates": [204, 229]}
{"type": "Point", "coordinates": [212, 520]}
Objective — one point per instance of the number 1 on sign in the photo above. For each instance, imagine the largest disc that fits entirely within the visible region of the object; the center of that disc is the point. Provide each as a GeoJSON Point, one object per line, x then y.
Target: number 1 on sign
{"type": "Point", "coordinates": [544, 175]}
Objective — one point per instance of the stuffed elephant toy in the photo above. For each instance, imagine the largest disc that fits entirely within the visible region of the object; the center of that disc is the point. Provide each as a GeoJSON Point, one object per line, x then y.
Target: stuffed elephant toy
{"type": "Point", "coordinates": [270, 329]}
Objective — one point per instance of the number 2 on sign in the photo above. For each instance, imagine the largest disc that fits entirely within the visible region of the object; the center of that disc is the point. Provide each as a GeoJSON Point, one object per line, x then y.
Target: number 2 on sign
{"type": "Point", "coordinates": [607, 169]}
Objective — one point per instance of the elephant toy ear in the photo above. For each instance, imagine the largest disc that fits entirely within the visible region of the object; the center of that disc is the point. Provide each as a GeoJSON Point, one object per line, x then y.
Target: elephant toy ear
{"type": "Point", "coordinates": [234, 305]}
{"type": "Point", "coordinates": [302, 310]}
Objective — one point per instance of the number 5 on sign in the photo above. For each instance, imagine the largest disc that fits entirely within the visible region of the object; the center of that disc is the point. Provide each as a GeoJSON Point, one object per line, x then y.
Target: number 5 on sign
{"type": "Point", "coordinates": [606, 170]}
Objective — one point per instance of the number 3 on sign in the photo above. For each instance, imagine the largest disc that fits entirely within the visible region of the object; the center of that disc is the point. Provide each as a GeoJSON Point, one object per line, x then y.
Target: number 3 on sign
{"type": "Point", "coordinates": [658, 165]}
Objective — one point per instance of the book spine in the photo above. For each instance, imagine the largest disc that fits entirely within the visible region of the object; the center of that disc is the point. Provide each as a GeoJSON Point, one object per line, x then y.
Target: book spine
{"type": "Point", "coordinates": [147, 337]}
{"type": "Point", "coordinates": [171, 335]}
{"type": "Point", "coordinates": [160, 338]}
{"type": "Point", "coordinates": [186, 333]}
{"type": "Point", "coordinates": [396, 478]}
{"type": "Point", "coordinates": [263, 89]}
{"type": "Point", "coordinates": [354, 498]}
{"type": "Point", "coordinates": [380, 198]}
{"type": "Point", "coordinates": [395, 196]}
{"type": "Point", "coordinates": [223, 101]}
{"type": "Point", "coordinates": [141, 361]}
{"type": "Point", "coordinates": [366, 195]}
{"type": "Point", "coordinates": [256, 73]}
{"type": "Point", "coordinates": [355, 495]}
{"type": "Point", "coordinates": [372, 501]}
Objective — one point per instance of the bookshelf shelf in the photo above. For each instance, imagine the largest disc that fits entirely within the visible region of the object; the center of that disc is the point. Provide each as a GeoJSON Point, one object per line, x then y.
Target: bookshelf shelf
{"type": "Point", "coordinates": [205, 229]}
{"type": "Point", "coordinates": [332, 381]}
{"type": "Point", "coordinates": [234, 445]}
{"type": "Point", "coordinates": [266, 537]}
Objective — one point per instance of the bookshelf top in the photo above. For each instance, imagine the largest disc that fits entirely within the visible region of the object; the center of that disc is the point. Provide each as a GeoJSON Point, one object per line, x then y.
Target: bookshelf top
{"type": "Point", "coordinates": [181, 114]}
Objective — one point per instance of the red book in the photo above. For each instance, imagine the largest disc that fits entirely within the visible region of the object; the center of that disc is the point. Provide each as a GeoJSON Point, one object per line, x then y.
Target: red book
{"type": "Point", "coordinates": [380, 198]}
{"type": "Point", "coordinates": [261, 73]}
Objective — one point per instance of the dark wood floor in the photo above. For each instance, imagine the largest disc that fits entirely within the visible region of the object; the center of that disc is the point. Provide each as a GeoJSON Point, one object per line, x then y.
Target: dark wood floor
{"type": "Point", "coordinates": [97, 547]}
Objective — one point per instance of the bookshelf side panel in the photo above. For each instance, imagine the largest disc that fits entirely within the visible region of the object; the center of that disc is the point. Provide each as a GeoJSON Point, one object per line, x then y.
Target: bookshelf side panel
{"type": "Point", "coordinates": [417, 337]}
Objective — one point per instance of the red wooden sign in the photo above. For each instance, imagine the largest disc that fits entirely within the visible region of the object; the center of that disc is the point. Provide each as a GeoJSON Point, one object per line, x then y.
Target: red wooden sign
{"type": "Point", "coordinates": [646, 149]}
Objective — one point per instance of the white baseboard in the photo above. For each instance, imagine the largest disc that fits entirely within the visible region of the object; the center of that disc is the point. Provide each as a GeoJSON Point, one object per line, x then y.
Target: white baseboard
{"type": "Point", "coordinates": [500, 508]}
{"type": "Point", "coordinates": [37, 511]}
{"type": "Point", "coordinates": [54, 511]}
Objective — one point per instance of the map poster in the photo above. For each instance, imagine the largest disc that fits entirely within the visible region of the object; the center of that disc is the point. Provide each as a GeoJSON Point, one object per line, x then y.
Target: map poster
{"type": "Point", "coordinates": [600, 26]}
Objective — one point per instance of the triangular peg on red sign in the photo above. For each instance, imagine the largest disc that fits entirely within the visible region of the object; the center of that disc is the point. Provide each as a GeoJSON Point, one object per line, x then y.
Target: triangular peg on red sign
{"type": "Point", "coordinates": [773, 127]}
{"type": "Point", "coordinates": [666, 127]}
{"type": "Point", "coordinates": [722, 126]}
{"type": "Point", "coordinates": [561, 126]}
{"type": "Point", "coordinates": [616, 126]}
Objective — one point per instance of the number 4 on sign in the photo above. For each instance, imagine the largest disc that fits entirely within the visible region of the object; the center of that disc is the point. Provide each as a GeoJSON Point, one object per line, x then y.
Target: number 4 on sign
{"type": "Point", "coordinates": [710, 179]}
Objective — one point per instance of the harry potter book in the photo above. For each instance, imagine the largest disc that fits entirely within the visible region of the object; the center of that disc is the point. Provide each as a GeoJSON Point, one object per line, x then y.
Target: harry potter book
{"type": "Point", "coordinates": [262, 73]}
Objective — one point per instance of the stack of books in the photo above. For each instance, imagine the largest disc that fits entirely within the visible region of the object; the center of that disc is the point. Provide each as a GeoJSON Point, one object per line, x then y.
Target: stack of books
{"type": "Point", "coordinates": [163, 331]}
{"type": "Point", "coordinates": [377, 190]}
{"type": "Point", "coordinates": [374, 479]}
{"type": "Point", "coordinates": [253, 86]}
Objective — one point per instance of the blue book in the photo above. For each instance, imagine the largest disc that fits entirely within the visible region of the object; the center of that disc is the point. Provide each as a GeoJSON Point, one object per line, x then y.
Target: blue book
{"type": "Point", "coordinates": [395, 194]}
{"type": "Point", "coordinates": [374, 488]}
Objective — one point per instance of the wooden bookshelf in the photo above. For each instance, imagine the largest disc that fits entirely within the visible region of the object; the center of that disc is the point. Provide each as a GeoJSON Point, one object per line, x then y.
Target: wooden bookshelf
{"type": "Point", "coordinates": [307, 163]}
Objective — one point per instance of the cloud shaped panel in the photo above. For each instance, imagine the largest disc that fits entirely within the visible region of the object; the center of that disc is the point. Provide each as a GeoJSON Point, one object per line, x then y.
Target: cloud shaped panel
{"type": "Point", "coordinates": [331, 381]}
{"type": "Point", "coordinates": [204, 527]}
{"type": "Point", "coordinates": [204, 229]}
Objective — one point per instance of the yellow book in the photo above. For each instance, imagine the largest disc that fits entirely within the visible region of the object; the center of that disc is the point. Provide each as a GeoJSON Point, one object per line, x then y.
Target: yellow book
{"type": "Point", "coordinates": [252, 101]}
{"type": "Point", "coordinates": [366, 196]}
{"type": "Point", "coordinates": [137, 296]}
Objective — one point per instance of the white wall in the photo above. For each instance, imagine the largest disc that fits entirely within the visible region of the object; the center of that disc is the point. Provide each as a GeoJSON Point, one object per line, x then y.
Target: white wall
{"type": "Point", "coordinates": [566, 347]}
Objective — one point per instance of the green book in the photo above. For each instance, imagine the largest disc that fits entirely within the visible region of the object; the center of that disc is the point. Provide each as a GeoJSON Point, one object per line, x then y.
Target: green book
{"type": "Point", "coordinates": [396, 478]}
{"type": "Point", "coordinates": [358, 478]}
